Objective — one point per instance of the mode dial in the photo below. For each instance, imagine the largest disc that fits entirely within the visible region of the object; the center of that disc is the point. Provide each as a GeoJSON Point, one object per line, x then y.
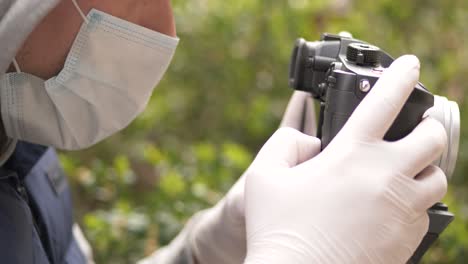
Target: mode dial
{"type": "Point", "coordinates": [363, 54]}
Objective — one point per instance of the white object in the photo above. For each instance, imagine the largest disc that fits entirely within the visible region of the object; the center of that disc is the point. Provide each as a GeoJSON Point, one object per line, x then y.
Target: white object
{"type": "Point", "coordinates": [83, 244]}
{"type": "Point", "coordinates": [107, 80]}
{"type": "Point", "coordinates": [219, 234]}
{"type": "Point", "coordinates": [361, 200]}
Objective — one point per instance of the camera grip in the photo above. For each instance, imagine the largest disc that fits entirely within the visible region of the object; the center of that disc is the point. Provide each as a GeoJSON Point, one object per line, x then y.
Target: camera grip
{"type": "Point", "coordinates": [339, 105]}
{"type": "Point", "coordinates": [332, 124]}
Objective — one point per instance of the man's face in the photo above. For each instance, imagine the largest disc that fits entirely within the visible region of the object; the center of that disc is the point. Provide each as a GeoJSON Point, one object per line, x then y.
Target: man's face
{"type": "Point", "coordinates": [46, 48]}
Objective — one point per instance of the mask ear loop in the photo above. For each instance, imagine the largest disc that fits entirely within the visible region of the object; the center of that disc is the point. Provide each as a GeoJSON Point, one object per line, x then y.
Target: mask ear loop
{"type": "Point", "coordinates": [17, 67]}
{"type": "Point", "coordinates": [80, 11]}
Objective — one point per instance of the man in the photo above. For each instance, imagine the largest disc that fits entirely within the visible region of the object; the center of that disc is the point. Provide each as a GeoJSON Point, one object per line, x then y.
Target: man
{"type": "Point", "coordinates": [71, 75]}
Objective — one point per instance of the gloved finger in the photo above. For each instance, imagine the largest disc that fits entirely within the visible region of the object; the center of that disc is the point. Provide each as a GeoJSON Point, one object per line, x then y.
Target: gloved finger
{"type": "Point", "coordinates": [307, 149]}
{"type": "Point", "coordinates": [421, 147]}
{"type": "Point", "coordinates": [409, 237]}
{"type": "Point", "coordinates": [300, 113]}
{"type": "Point", "coordinates": [377, 111]}
{"type": "Point", "coordinates": [310, 123]}
{"type": "Point", "coordinates": [431, 187]}
{"type": "Point", "coordinates": [414, 233]}
{"type": "Point", "coordinates": [234, 200]}
{"type": "Point", "coordinates": [287, 148]}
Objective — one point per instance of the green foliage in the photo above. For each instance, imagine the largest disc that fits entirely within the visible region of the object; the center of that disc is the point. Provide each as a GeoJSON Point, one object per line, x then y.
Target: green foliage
{"type": "Point", "coordinates": [223, 97]}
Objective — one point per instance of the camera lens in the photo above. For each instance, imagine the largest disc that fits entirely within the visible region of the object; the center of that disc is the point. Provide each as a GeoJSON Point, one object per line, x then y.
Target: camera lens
{"type": "Point", "coordinates": [454, 138]}
{"type": "Point", "coordinates": [448, 114]}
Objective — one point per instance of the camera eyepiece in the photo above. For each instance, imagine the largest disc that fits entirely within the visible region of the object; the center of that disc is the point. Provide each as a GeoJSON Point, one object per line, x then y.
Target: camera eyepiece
{"type": "Point", "coordinates": [297, 64]}
{"type": "Point", "coordinates": [309, 63]}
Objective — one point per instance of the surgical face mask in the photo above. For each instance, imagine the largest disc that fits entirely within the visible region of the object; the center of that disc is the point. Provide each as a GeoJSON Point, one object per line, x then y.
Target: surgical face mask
{"type": "Point", "coordinates": [107, 80]}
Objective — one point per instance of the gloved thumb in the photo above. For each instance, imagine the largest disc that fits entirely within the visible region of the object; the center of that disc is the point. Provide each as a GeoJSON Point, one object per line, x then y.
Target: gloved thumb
{"type": "Point", "coordinates": [300, 113]}
{"type": "Point", "coordinates": [287, 148]}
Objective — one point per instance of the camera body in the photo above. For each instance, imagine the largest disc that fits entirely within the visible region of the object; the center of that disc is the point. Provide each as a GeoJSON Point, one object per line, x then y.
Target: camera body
{"type": "Point", "coordinates": [339, 72]}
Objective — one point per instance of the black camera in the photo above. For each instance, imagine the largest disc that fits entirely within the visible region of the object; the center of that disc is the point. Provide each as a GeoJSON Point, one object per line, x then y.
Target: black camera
{"type": "Point", "coordinates": [339, 71]}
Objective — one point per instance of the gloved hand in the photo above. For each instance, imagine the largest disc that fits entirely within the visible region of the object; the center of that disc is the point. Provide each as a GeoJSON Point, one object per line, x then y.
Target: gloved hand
{"type": "Point", "coordinates": [218, 234]}
{"type": "Point", "coordinates": [361, 200]}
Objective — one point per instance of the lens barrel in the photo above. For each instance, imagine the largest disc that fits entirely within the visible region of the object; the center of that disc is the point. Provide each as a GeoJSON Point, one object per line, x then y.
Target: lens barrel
{"type": "Point", "coordinates": [448, 114]}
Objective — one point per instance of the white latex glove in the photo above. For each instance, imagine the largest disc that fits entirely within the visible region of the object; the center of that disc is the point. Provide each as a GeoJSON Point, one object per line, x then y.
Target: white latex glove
{"type": "Point", "coordinates": [218, 234]}
{"type": "Point", "coordinates": [362, 200]}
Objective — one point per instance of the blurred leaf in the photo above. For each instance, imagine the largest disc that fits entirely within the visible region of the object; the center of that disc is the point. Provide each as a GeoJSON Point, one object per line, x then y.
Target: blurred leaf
{"type": "Point", "coordinates": [172, 183]}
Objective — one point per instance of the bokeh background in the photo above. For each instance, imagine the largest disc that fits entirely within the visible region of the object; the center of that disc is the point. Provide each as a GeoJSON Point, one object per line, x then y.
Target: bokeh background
{"type": "Point", "coordinates": [224, 96]}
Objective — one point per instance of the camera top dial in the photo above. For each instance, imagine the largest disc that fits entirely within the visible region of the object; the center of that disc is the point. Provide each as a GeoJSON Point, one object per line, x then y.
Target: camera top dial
{"type": "Point", "coordinates": [363, 54]}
